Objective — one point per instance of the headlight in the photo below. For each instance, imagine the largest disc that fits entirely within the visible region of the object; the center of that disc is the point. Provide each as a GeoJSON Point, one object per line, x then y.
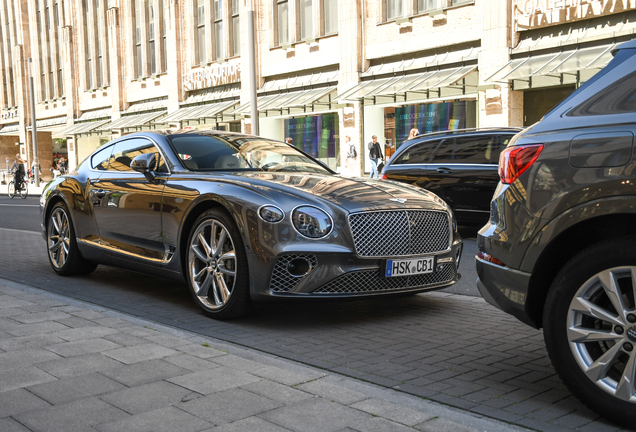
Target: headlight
{"type": "Point", "coordinates": [311, 222]}
{"type": "Point", "coordinates": [270, 213]}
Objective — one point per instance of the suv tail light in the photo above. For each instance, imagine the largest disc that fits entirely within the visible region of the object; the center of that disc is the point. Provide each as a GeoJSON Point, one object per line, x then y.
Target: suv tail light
{"type": "Point", "coordinates": [513, 161]}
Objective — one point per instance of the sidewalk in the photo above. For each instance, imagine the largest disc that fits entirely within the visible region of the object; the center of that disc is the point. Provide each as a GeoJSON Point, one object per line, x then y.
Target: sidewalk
{"type": "Point", "coordinates": [67, 365]}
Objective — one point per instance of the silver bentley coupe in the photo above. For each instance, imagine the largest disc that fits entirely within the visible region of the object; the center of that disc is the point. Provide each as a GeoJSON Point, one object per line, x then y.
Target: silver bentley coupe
{"type": "Point", "coordinates": [245, 219]}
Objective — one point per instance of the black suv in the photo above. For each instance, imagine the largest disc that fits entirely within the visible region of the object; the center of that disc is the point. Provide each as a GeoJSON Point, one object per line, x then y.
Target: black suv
{"type": "Point", "coordinates": [559, 251]}
{"type": "Point", "coordinates": [460, 166]}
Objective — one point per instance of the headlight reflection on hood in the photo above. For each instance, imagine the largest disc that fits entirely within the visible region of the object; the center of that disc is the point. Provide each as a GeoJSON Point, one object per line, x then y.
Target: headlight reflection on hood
{"type": "Point", "coordinates": [311, 222]}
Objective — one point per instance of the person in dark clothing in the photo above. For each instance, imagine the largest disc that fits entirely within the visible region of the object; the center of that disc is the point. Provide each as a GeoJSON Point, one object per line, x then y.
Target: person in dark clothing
{"type": "Point", "coordinates": [375, 154]}
{"type": "Point", "coordinates": [18, 171]}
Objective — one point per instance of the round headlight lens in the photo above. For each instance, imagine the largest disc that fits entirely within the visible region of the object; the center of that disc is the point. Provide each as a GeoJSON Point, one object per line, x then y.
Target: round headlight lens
{"type": "Point", "coordinates": [311, 222]}
{"type": "Point", "coordinates": [270, 213]}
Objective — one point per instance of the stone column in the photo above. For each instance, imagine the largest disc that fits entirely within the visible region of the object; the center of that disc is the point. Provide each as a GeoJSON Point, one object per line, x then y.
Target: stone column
{"type": "Point", "coordinates": [117, 88]}
{"type": "Point", "coordinates": [498, 106]}
{"type": "Point", "coordinates": [176, 53]}
{"type": "Point", "coordinates": [350, 28]}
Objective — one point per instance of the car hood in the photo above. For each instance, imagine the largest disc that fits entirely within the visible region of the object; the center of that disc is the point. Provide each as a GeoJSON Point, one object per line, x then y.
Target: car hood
{"type": "Point", "coordinates": [352, 194]}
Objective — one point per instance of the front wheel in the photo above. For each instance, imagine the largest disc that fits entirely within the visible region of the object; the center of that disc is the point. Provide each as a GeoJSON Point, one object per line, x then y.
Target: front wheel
{"type": "Point", "coordinates": [216, 266]}
{"type": "Point", "coordinates": [11, 189]}
{"type": "Point", "coordinates": [590, 328]}
{"type": "Point", "coordinates": [64, 255]}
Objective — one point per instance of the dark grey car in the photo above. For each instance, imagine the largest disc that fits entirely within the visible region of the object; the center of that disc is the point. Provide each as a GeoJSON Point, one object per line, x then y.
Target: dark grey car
{"type": "Point", "coordinates": [245, 219]}
{"type": "Point", "coordinates": [559, 251]}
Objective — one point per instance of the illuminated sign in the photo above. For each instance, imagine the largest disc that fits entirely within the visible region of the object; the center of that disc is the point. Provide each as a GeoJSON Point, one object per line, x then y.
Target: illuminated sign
{"type": "Point", "coordinates": [212, 76]}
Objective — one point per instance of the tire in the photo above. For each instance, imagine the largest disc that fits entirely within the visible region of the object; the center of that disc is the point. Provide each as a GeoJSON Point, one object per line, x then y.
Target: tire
{"type": "Point", "coordinates": [216, 266]}
{"type": "Point", "coordinates": [64, 255]}
{"type": "Point", "coordinates": [24, 190]}
{"type": "Point", "coordinates": [11, 189]}
{"type": "Point", "coordinates": [595, 356]}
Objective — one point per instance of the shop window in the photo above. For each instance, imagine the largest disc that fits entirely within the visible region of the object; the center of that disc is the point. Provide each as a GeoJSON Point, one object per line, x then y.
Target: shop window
{"type": "Point", "coordinates": [282, 15]}
{"type": "Point", "coordinates": [537, 103]}
{"type": "Point", "coordinates": [236, 29]}
{"type": "Point", "coordinates": [331, 16]}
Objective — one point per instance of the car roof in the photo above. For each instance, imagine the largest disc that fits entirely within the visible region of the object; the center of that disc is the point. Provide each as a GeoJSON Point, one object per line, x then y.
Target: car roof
{"type": "Point", "coordinates": [626, 45]}
{"type": "Point", "coordinates": [470, 131]}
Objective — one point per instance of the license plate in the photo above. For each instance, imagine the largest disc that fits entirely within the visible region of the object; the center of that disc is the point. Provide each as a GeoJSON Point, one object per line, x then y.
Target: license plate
{"type": "Point", "coordinates": [409, 267]}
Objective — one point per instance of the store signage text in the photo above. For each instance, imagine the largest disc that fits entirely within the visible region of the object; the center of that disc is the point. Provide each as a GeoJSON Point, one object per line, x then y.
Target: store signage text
{"type": "Point", "coordinates": [541, 13]}
{"type": "Point", "coordinates": [10, 114]}
{"type": "Point", "coordinates": [212, 76]}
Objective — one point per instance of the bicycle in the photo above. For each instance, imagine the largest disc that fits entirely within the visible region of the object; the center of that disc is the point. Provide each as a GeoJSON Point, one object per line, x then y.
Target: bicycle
{"type": "Point", "coordinates": [24, 190]}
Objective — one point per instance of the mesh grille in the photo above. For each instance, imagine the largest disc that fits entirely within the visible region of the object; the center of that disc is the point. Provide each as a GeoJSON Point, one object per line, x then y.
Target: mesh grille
{"type": "Point", "coordinates": [399, 232]}
{"type": "Point", "coordinates": [281, 280]}
{"type": "Point", "coordinates": [371, 281]}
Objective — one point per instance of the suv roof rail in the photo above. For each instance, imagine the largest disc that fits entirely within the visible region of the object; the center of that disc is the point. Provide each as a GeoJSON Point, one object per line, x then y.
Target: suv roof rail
{"type": "Point", "coordinates": [477, 129]}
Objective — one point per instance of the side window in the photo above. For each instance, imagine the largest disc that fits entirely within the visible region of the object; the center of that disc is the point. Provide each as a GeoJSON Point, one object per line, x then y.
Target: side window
{"type": "Point", "coordinates": [478, 149]}
{"type": "Point", "coordinates": [99, 161]}
{"type": "Point", "coordinates": [125, 151]}
{"type": "Point", "coordinates": [445, 152]}
{"type": "Point", "coordinates": [418, 153]}
{"type": "Point", "coordinates": [617, 98]}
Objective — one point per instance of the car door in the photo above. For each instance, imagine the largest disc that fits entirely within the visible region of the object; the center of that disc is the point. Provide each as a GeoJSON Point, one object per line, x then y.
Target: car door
{"type": "Point", "coordinates": [127, 206]}
{"type": "Point", "coordinates": [410, 166]}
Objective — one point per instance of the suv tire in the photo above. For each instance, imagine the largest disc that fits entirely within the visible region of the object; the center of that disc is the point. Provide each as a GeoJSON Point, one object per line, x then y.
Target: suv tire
{"type": "Point", "coordinates": [589, 330]}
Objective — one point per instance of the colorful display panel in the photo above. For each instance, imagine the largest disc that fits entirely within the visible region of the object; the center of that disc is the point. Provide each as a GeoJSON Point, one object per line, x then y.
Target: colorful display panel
{"type": "Point", "coordinates": [315, 135]}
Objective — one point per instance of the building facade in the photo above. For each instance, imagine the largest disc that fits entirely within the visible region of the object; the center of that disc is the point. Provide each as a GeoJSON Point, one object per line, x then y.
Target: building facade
{"type": "Point", "coordinates": [325, 68]}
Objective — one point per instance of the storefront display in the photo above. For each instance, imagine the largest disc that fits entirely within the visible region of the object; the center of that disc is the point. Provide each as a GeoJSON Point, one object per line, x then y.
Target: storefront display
{"type": "Point", "coordinates": [315, 135]}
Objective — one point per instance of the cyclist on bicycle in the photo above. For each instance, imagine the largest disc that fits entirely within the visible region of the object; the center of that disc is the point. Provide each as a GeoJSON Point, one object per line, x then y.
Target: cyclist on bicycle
{"type": "Point", "coordinates": [18, 171]}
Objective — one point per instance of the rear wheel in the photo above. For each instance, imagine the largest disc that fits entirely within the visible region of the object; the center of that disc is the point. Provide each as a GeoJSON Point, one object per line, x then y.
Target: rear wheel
{"type": "Point", "coordinates": [590, 328]}
{"type": "Point", "coordinates": [217, 270]}
{"type": "Point", "coordinates": [64, 255]}
{"type": "Point", "coordinates": [24, 190]}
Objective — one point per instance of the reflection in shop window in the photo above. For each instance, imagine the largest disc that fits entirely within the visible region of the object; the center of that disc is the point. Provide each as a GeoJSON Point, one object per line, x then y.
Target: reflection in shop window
{"type": "Point", "coordinates": [282, 13]}
{"type": "Point", "coordinates": [331, 16]}
{"type": "Point", "coordinates": [394, 9]}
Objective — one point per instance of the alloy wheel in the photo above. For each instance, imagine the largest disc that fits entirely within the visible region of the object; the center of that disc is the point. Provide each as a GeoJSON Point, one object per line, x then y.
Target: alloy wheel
{"type": "Point", "coordinates": [601, 331]}
{"type": "Point", "coordinates": [59, 240]}
{"type": "Point", "coordinates": [212, 264]}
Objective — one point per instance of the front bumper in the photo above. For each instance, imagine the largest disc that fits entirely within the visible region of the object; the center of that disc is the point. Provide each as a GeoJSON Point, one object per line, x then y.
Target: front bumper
{"type": "Point", "coordinates": [338, 275]}
{"type": "Point", "coordinates": [506, 289]}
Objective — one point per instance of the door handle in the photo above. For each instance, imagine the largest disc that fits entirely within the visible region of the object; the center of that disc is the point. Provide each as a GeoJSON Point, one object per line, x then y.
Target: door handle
{"type": "Point", "coordinates": [444, 170]}
{"type": "Point", "coordinates": [101, 193]}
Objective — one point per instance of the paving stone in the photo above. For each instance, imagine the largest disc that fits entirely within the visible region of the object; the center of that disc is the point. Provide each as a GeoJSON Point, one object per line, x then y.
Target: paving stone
{"type": "Point", "coordinates": [332, 392]}
{"type": "Point", "coordinates": [146, 397]}
{"type": "Point", "coordinates": [88, 332]}
{"type": "Point", "coordinates": [443, 425]}
{"type": "Point", "coordinates": [145, 372]}
{"type": "Point", "coordinates": [229, 406]}
{"type": "Point", "coordinates": [19, 400]}
{"type": "Point", "coordinates": [285, 376]}
{"type": "Point", "coordinates": [11, 312]}
{"type": "Point", "coordinates": [111, 322]}
{"type": "Point", "coordinates": [89, 314]}
{"type": "Point", "coordinates": [79, 365]}
{"type": "Point", "coordinates": [39, 341]}
{"type": "Point", "coordinates": [214, 380]}
{"type": "Point", "coordinates": [84, 346]}
{"type": "Point", "coordinates": [168, 419]}
{"type": "Point", "coordinates": [23, 377]}
{"type": "Point", "coordinates": [167, 340]}
{"type": "Point", "coordinates": [22, 358]}
{"type": "Point", "coordinates": [76, 322]}
{"type": "Point", "coordinates": [249, 424]}
{"type": "Point", "coordinates": [10, 425]}
{"type": "Point", "coordinates": [194, 364]}
{"type": "Point", "coordinates": [34, 329]}
{"type": "Point", "coordinates": [69, 389]}
{"type": "Point", "coordinates": [278, 392]}
{"type": "Point", "coordinates": [392, 411]}
{"type": "Point", "coordinates": [139, 353]}
{"type": "Point", "coordinates": [201, 351]}
{"type": "Point", "coordinates": [48, 315]}
{"type": "Point", "coordinates": [12, 302]}
{"type": "Point", "coordinates": [377, 424]}
{"type": "Point", "coordinates": [125, 339]}
{"type": "Point", "coordinates": [315, 415]}
{"type": "Point", "coordinates": [74, 416]}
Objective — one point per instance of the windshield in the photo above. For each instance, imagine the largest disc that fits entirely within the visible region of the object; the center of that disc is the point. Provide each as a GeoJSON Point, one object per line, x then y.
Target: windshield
{"type": "Point", "coordinates": [240, 153]}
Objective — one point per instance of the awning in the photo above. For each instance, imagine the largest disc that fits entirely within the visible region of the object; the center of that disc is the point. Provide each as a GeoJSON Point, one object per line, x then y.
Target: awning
{"type": "Point", "coordinates": [11, 129]}
{"type": "Point", "coordinates": [301, 81]}
{"type": "Point", "coordinates": [131, 121]}
{"type": "Point", "coordinates": [289, 100]}
{"type": "Point", "coordinates": [49, 122]}
{"type": "Point", "coordinates": [452, 79]}
{"type": "Point", "coordinates": [95, 114]}
{"type": "Point", "coordinates": [199, 111]}
{"type": "Point", "coordinates": [571, 66]}
{"type": "Point", "coordinates": [428, 61]}
{"type": "Point", "coordinates": [147, 106]}
{"type": "Point", "coordinates": [233, 93]}
{"type": "Point", "coordinates": [80, 128]}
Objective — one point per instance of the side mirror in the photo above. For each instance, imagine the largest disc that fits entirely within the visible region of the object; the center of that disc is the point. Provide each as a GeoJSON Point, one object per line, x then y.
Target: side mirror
{"type": "Point", "coordinates": [145, 164]}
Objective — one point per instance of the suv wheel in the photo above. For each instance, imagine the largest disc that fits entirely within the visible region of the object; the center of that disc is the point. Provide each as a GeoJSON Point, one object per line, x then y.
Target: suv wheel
{"type": "Point", "coordinates": [589, 326]}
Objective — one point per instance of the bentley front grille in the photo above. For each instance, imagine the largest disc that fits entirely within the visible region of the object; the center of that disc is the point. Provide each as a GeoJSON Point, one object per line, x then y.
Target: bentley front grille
{"type": "Point", "coordinates": [282, 280]}
{"type": "Point", "coordinates": [400, 232]}
{"type": "Point", "coordinates": [358, 282]}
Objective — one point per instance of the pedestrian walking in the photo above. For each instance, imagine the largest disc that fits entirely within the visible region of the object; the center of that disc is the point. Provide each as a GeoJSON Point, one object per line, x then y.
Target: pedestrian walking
{"type": "Point", "coordinates": [352, 153]}
{"type": "Point", "coordinates": [375, 155]}
{"type": "Point", "coordinates": [35, 165]}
